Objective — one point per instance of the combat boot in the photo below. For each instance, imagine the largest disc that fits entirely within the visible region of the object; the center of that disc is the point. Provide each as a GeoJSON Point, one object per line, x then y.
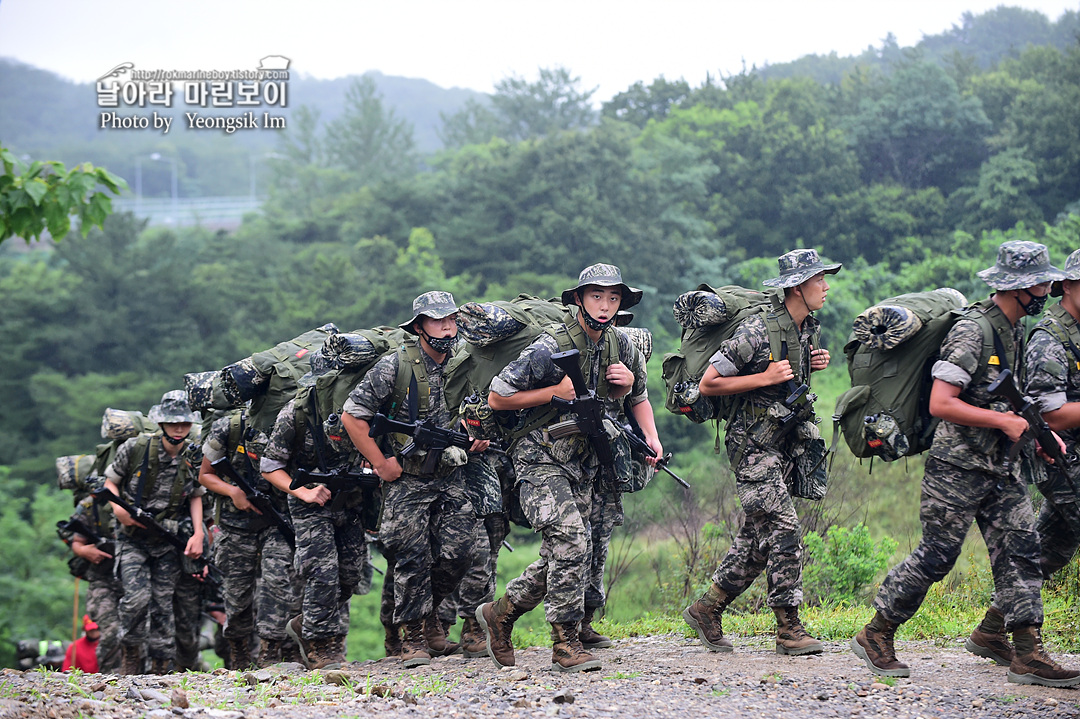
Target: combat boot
{"type": "Point", "coordinates": [438, 644]}
{"type": "Point", "coordinates": [567, 654]}
{"type": "Point", "coordinates": [294, 629]}
{"type": "Point", "coordinates": [874, 645]}
{"type": "Point", "coordinates": [791, 637]}
{"type": "Point", "coordinates": [239, 653]}
{"type": "Point", "coordinates": [414, 648]}
{"type": "Point", "coordinates": [327, 653]}
{"type": "Point", "coordinates": [990, 640]}
{"type": "Point", "coordinates": [269, 652]}
{"type": "Point", "coordinates": [705, 617]}
{"type": "Point", "coordinates": [1032, 665]}
{"type": "Point", "coordinates": [290, 652]}
{"type": "Point", "coordinates": [473, 641]}
{"type": "Point", "coordinates": [590, 638]}
{"type": "Point", "coordinates": [392, 640]}
{"type": "Point", "coordinates": [497, 620]}
{"type": "Point", "coordinates": [131, 660]}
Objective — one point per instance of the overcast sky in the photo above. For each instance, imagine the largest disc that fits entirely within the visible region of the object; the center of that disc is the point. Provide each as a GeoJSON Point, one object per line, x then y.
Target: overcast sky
{"type": "Point", "coordinates": [610, 44]}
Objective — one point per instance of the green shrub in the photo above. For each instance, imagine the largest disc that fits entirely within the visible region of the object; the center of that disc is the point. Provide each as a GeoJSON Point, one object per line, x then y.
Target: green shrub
{"type": "Point", "coordinates": [842, 565]}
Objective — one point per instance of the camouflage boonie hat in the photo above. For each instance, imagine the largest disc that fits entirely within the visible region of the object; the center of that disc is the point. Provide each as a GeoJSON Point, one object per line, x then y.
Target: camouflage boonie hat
{"type": "Point", "coordinates": [603, 275]}
{"type": "Point", "coordinates": [623, 318]}
{"type": "Point", "coordinates": [435, 305]}
{"type": "Point", "coordinates": [798, 266]}
{"type": "Point", "coordinates": [1072, 272]}
{"type": "Point", "coordinates": [174, 409]}
{"type": "Point", "coordinates": [1021, 264]}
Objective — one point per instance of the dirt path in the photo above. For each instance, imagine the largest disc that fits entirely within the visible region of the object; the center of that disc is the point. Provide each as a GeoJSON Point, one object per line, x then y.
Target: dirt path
{"type": "Point", "coordinates": [661, 676]}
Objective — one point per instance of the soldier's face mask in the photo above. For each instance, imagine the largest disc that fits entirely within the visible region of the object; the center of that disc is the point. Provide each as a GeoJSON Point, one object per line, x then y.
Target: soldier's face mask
{"type": "Point", "coordinates": [1035, 303]}
{"type": "Point", "coordinates": [442, 345]}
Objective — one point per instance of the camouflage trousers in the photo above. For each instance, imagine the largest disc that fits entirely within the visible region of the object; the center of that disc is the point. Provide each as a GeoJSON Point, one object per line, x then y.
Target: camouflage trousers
{"type": "Point", "coordinates": [148, 572]}
{"type": "Point", "coordinates": [103, 606]}
{"type": "Point", "coordinates": [951, 499]}
{"type": "Point", "coordinates": [429, 530]}
{"type": "Point", "coordinates": [557, 501]}
{"type": "Point", "coordinates": [242, 556]}
{"type": "Point", "coordinates": [478, 584]}
{"type": "Point", "coordinates": [331, 554]}
{"type": "Point", "coordinates": [607, 513]}
{"type": "Point", "coordinates": [187, 610]}
{"type": "Point", "coordinates": [1059, 519]}
{"type": "Point", "coordinates": [769, 540]}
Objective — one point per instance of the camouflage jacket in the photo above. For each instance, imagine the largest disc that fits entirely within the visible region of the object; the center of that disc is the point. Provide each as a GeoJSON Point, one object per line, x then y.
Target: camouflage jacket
{"type": "Point", "coordinates": [158, 490]}
{"type": "Point", "coordinates": [974, 448]}
{"type": "Point", "coordinates": [534, 369]}
{"type": "Point", "coordinates": [374, 391]}
{"type": "Point", "coordinates": [217, 446]}
{"type": "Point", "coordinates": [289, 448]}
{"type": "Point", "coordinates": [1051, 366]}
{"type": "Point", "coordinates": [747, 352]}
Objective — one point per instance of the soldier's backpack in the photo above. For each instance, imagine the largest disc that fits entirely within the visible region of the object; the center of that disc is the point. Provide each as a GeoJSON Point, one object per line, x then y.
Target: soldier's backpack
{"type": "Point", "coordinates": [74, 471]}
{"type": "Point", "coordinates": [495, 334]}
{"type": "Point", "coordinates": [708, 317]}
{"type": "Point", "coordinates": [266, 379]}
{"type": "Point", "coordinates": [890, 354]}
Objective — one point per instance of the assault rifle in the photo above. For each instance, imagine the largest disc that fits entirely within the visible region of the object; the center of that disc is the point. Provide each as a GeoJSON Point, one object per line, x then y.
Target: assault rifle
{"type": "Point", "coordinates": [424, 435]}
{"type": "Point", "coordinates": [589, 410]}
{"type": "Point", "coordinates": [637, 441]}
{"type": "Point", "coordinates": [77, 526]}
{"type": "Point", "coordinates": [146, 519]}
{"type": "Point", "coordinates": [260, 500]}
{"type": "Point", "coordinates": [1038, 429]}
{"type": "Point", "coordinates": [339, 481]}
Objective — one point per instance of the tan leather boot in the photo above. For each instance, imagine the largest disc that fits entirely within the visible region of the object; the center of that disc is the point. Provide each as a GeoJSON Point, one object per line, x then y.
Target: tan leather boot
{"type": "Point", "coordinates": [160, 665]}
{"type": "Point", "coordinates": [392, 640]}
{"type": "Point", "coordinates": [473, 641]}
{"type": "Point", "coordinates": [590, 638]}
{"type": "Point", "coordinates": [239, 653]}
{"type": "Point", "coordinates": [294, 628]}
{"type": "Point", "coordinates": [1033, 665]}
{"type": "Point", "coordinates": [705, 617]}
{"type": "Point", "coordinates": [567, 654]}
{"type": "Point", "coordinates": [269, 652]}
{"type": "Point", "coordinates": [131, 660]}
{"type": "Point", "coordinates": [438, 644]}
{"type": "Point", "coordinates": [791, 637]}
{"type": "Point", "coordinates": [874, 645]}
{"type": "Point", "coordinates": [327, 652]}
{"type": "Point", "coordinates": [497, 620]}
{"type": "Point", "coordinates": [990, 640]}
{"type": "Point", "coordinates": [414, 648]}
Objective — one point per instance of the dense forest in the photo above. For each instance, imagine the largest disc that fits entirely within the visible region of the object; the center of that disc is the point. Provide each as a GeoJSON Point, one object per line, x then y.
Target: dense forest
{"type": "Point", "coordinates": [909, 165]}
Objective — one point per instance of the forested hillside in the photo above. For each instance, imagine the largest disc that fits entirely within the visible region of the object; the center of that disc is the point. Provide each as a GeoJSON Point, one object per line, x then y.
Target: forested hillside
{"type": "Point", "coordinates": [910, 169]}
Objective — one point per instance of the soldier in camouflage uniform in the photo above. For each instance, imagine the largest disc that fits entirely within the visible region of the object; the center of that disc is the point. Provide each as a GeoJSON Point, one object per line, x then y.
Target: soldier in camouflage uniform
{"type": "Point", "coordinates": [769, 539]}
{"type": "Point", "coordinates": [428, 525]}
{"type": "Point", "coordinates": [250, 545]}
{"type": "Point", "coordinates": [331, 548]}
{"type": "Point", "coordinates": [104, 592]}
{"type": "Point", "coordinates": [1052, 375]}
{"type": "Point", "coordinates": [555, 477]}
{"type": "Point", "coordinates": [968, 477]}
{"type": "Point", "coordinates": [149, 567]}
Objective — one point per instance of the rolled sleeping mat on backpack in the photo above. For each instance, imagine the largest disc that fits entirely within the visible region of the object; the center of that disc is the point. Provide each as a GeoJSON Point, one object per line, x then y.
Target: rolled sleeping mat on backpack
{"type": "Point", "coordinates": [640, 338]}
{"type": "Point", "coordinates": [204, 391]}
{"type": "Point", "coordinates": [244, 380]}
{"type": "Point", "coordinates": [72, 470]}
{"type": "Point", "coordinates": [485, 323]}
{"type": "Point", "coordinates": [348, 349]}
{"type": "Point", "coordinates": [122, 424]}
{"type": "Point", "coordinates": [887, 326]}
{"type": "Point", "coordinates": [699, 308]}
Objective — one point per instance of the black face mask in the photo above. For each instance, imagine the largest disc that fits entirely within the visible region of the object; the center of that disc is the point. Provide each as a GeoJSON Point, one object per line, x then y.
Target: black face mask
{"type": "Point", "coordinates": [442, 345]}
{"type": "Point", "coordinates": [591, 322]}
{"type": "Point", "coordinates": [1035, 305]}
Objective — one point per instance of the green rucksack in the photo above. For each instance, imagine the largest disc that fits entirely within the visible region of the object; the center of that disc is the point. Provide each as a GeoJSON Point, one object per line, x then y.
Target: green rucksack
{"type": "Point", "coordinates": [708, 317]}
{"type": "Point", "coordinates": [495, 334]}
{"type": "Point", "coordinates": [890, 354]}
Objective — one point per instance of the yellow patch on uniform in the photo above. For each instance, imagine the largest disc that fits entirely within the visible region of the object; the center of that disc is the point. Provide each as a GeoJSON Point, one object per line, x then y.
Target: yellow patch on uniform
{"type": "Point", "coordinates": [240, 449]}
{"type": "Point", "coordinates": [993, 360]}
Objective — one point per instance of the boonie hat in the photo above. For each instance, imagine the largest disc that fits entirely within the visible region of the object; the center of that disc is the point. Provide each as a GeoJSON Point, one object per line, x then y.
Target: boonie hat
{"type": "Point", "coordinates": [174, 409]}
{"type": "Point", "coordinates": [798, 266]}
{"type": "Point", "coordinates": [435, 305]}
{"type": "Point", "coordinates": [1021, 264]}
{"type": "Point", "coordinates": [1072, 272]}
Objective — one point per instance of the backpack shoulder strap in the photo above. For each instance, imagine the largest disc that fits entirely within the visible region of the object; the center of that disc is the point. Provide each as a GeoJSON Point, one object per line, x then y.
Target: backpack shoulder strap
{"type": "Point", "coordinates": [993, 349]}
{"type": "Point", "coordinates": [410, 364]}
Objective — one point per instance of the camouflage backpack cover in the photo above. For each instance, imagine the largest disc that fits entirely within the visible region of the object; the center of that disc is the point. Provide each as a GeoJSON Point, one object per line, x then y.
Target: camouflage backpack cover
{"type": "Point", "coordinates": [709, 316]}
{"type": "Point", "coordinates": [890, 353]}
